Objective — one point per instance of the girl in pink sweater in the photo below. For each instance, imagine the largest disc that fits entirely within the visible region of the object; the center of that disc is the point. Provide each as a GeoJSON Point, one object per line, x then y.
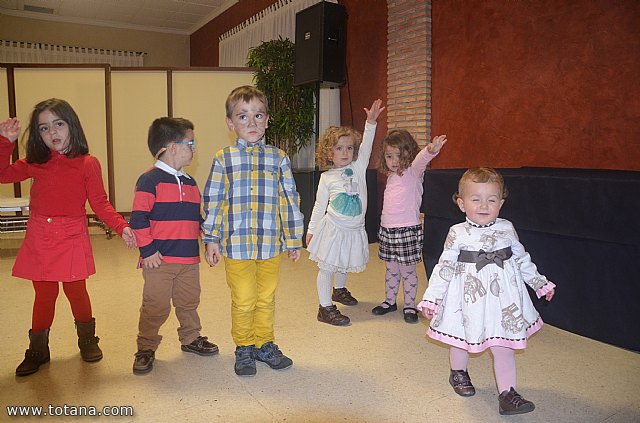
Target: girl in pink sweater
{"type": "Point", "coordinates": [400, 235]}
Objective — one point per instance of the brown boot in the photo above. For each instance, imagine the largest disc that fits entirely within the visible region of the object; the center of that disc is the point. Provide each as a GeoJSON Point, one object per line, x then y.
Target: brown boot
{"type": "Point", "coordinates": [332, 315]}
{"type": "Point", "coordinates": [343, 296]}
{"type": "Point", "coordinates": [36, 355]}
{"type": "Point", "coordinates": [88, 342]}
{"type": "Point", "coordinates": [461, 383]}
{"type": "Point", "coordinates": [511, 402]}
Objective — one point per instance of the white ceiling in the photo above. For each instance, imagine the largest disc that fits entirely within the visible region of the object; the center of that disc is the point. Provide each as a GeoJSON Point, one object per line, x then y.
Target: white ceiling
{"type": "Point", "coordinates": [171, 16]}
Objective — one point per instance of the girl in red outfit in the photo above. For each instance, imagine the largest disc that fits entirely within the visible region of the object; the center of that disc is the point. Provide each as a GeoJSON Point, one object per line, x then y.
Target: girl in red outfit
{"type": "Point", "coordinates": [56, 246]}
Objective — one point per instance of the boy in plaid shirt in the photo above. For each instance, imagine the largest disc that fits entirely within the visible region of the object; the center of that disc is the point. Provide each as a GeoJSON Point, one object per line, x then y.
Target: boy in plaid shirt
{"type": "Point", "coordinates": [252, 215]}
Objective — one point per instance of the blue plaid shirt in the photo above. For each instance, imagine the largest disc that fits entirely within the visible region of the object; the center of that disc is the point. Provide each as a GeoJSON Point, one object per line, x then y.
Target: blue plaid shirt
{"type": "Point", "coordinates": [250, 202]}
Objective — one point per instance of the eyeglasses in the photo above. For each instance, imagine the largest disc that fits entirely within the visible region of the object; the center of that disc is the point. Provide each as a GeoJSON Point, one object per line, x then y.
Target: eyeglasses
{"type": "Point", "coordinates": [191, 143]}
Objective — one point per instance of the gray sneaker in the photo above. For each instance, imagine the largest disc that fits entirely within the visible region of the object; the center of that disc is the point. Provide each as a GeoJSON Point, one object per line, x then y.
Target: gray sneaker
{"type": "Point", "coordinates": [143, 362]}
{"type": "Point", "coordinates": [245, 360]}
{"type": "Point", "coordinates": [270, 353]}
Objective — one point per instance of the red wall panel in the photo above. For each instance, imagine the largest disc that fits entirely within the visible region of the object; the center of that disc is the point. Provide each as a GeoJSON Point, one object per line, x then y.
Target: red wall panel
{"type": "Point", "coordinates": [552, 83]}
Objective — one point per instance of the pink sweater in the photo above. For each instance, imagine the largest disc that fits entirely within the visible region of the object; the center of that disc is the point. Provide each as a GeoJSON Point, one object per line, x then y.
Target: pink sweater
{"type": "Point", "coordinates": [403, 194]}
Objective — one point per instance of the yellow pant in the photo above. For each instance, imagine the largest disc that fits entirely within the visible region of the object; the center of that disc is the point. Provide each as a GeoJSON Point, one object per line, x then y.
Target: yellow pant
{"type": "Point", "coordinates": [253, 290]}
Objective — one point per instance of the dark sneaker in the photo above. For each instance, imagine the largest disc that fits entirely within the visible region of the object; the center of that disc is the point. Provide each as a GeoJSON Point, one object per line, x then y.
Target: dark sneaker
{"type": "Point", "coordinates": [201, 347]}
{"type": "Point", "coordinates": [143, 362]}
{"type": "Point", "coordinates": [461, 383]}
{"type": "Point", "coordinates": [511, 402]}
{"type": "Point", "coordinates": [343, 296]}
{"type": "Point", "coordinates": [270, 353]}
{"type": "Point", "coordinates": [332, 315]}
{"type": "Point", "coordinates": [245, 361]}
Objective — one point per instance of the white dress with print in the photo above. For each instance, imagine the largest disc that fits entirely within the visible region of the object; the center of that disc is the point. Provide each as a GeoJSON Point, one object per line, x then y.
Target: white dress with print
{"type": "Point", "coordinates": [340, 242]}
{"type": "Point", "coordinates": [478, 309]}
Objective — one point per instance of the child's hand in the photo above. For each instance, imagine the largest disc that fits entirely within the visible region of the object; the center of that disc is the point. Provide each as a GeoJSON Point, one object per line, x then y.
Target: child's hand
{"type": "Point", "coordinates": [10, 129]}
{"type": "Point", "coordinates": [434, 146]}
{"type": "Point", "coordinates": [428, 314]}
{"type": "Point", "coordinates": [550, 294]}
{"type": "Point", "coordinates": [294, 255]}
{"type": "Point", "coordinates": [153, 261]}
{"type": "Point", "coordinates": [309, 236]}
{"type": "Point", "coordinates": [374, 111]}
{"type": "Point", "coordinates": [129, 238]}
{"type": "Point", "coordinates": [212, 254]}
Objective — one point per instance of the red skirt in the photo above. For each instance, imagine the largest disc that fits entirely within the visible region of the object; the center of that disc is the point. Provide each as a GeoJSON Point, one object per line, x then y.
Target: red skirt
{"type": "Point", "coordinates": [55, 249]}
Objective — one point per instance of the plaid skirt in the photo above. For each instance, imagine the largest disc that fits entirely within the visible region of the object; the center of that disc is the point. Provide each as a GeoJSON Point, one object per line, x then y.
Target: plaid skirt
{"type": "Point", "coordinates": [403, 245]}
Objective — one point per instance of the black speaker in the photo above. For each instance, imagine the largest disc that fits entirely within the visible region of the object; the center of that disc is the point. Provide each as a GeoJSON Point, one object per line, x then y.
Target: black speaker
{"type": "Point", "coordinates": [320, 45]}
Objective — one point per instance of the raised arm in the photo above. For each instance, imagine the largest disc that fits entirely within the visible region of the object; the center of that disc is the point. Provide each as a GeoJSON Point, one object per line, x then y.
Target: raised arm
{"type": "Point", "coordinates": [10, 129]}
{"type": "Point", "coordinates": [424, 157]}
{"type": "Point", "coordinates": [9, 132]}
{"type": "Point", "coordinates": [375, 111]}
{"type": "Point", "coordinates": [434, 146]}
{"type": "Point", "coordinates": [364, 153]}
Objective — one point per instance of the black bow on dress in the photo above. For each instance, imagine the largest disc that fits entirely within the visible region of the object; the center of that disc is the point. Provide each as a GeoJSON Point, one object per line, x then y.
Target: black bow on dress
{"type": "Point", "coordinates": [482, 258]}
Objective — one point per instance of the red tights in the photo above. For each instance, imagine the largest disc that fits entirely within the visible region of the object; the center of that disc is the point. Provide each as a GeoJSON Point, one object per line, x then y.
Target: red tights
{"type": "Point", "coordinates": [44, 306]}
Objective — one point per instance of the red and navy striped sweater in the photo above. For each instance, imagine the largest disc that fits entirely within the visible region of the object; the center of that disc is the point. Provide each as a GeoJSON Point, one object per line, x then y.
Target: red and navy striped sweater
{"type": "Point", "coordinates": [166, 217]}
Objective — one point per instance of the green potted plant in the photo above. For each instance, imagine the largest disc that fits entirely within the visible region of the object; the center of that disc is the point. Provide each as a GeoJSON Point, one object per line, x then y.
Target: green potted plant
{"type": "Point", "coordinates": [291, 108]}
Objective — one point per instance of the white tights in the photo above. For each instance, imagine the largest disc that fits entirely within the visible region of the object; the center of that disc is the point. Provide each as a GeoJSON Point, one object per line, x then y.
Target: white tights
{"type": "Point", "coordinates": [324, 284]}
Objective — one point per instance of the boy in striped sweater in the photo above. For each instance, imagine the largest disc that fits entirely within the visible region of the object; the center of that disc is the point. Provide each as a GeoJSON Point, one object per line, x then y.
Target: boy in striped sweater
{"type": "Point", "coordinates": [166, 222]}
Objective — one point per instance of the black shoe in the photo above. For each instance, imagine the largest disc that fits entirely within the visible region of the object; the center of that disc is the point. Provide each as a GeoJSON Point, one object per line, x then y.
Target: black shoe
{"type": "Point", "coordinates": [511, 402]}
{"type": "Point", "coordinates": [410, 314]}
{"type": "Point", "coordinates": [381, 311]}
{"type": "Point", "coordinates": [200, 346]}
{"type": "Point", "coordinates": [270, 353]}
{"type": "Point", "coordinates": [461, 383]}
{"type": "Point", "coordinates": [245, 360]}
{"type": "Point", "coordinates": [143, 362]}
{"type": "Point", "coordinates": [343, 296]}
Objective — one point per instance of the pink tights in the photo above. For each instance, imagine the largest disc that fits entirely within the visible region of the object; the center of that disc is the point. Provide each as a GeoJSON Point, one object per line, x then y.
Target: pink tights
{"type": "Point", "coordinates": [409, 281]}
{"type": "Point", "coordinates": [504, 365]}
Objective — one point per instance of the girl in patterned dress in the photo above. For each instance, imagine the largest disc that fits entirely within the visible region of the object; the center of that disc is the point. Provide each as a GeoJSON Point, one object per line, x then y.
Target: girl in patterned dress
{"type": "Point", "coordinates": [336, 238]}
{"type": "Point", "coordinates": [477, 295]}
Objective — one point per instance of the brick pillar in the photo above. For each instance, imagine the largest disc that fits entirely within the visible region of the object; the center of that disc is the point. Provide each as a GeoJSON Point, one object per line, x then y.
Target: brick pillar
{"type": "Point", "coordinates": [409, 67]}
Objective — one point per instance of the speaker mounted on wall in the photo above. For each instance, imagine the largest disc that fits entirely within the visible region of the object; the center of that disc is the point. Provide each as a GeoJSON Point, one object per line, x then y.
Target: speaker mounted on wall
{"type": "Point", "coordinates": [320, 45]}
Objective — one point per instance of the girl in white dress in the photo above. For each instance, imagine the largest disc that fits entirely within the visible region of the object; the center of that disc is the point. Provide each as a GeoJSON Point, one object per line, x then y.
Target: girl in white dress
{"type": "Point", "coordinates": [477, 295]}
{"type": "Point", "coordinates": [336, 238]}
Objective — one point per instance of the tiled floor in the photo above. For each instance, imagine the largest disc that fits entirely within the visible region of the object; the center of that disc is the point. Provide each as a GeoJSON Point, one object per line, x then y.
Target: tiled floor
{"type": "Point", "coordinates": [379, 369]}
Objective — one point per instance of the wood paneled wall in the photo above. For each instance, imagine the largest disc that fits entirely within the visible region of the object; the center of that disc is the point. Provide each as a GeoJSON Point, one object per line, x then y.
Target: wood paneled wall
{"type": "Point", "coordinates": [116, 107]}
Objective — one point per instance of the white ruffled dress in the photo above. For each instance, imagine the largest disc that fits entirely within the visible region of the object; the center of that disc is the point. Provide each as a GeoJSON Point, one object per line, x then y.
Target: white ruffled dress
{"type": "Point", "coordinates": [340, 242]}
